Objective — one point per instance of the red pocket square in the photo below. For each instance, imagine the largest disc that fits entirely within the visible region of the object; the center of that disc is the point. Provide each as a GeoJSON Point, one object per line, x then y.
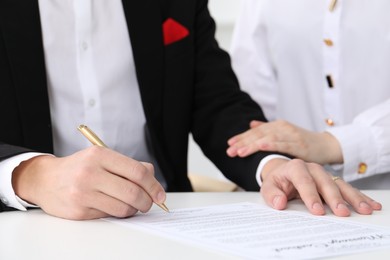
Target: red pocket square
{"type": "Point", "coordinates": [173, 31]}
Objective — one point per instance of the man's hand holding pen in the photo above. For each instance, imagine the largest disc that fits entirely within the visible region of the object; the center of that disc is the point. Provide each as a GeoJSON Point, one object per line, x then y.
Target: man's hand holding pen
{"type": "Point", "coordinates": [93, 183]}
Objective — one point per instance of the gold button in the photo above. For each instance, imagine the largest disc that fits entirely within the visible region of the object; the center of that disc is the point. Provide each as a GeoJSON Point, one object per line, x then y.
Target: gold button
{"type": "Point", "coordinates": [329, 122]}
{"type": "Point", "coordinates": [362, 168]}
{"type": "Point", "coordinates": [328, 42]}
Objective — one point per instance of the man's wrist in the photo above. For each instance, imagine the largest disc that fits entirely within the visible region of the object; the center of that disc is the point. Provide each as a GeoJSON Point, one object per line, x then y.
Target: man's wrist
{"type": "Point", "coordinates": [24, 177]}
{"type": "Point", "coordinates": [265, 162]}
{"type": "Point", "coordinates": [7, 193]}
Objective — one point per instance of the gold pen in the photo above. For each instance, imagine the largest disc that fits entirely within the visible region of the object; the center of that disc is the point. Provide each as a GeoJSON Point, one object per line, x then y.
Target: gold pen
{"type": "Point", "coordinates": [332, 5]}
{"type": "Point", "coordinates": [94, 139]}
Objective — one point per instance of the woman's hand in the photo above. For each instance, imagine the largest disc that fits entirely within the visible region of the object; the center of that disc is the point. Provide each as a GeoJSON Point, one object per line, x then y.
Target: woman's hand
{"type": "Point", "coordinates": [284, 137]}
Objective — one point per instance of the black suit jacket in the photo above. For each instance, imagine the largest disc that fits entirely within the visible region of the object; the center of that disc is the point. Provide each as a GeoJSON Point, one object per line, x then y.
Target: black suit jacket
{"type": "Point", "coordinates": [186, 87]}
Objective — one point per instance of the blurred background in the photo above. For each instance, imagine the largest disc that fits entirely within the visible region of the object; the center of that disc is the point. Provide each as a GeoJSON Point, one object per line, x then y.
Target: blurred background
{"type": "Point", "coordinates": [225, 13]}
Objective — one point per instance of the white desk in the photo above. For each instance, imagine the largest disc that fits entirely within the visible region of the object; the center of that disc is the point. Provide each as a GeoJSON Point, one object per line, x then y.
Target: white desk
{"type": "Point", "coordinates": [35, 235]}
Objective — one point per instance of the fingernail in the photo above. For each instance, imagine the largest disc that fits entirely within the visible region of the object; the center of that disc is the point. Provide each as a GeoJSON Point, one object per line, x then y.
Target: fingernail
{"type": "Point", "coordinates": [160, 197]}
{"type": "Point", "coordinates": [318, 206]}
{"type": "Point", "coordinates": [364, 205]}
{"type": "Point", "coordinates": [276, 200]}
{"type": "Point", "coordinates": [341, 206]}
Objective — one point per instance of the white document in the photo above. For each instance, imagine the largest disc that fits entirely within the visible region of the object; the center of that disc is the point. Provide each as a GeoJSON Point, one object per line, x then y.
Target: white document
{"type": "Point", "coordinates": [253, 231]}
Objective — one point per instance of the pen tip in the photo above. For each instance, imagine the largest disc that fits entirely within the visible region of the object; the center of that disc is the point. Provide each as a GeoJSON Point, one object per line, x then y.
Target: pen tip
{"type": "Point", "coordinates": [165, 208]}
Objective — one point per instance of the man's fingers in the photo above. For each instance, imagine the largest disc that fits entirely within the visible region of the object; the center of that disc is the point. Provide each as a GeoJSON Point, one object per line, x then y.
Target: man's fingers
{"type": "Point", "coordinates": [329, 191]}
{"type": "Point", "coordinates": [360, 202]}
{"type": "Point", "coordinates": [99, 205]}
{"type": "Point", "coordinates": [159, 190]}
{"type": "Point", "coordinates": [123, 190]}
{"type": "Point", "coordinates": [306, 187]}
{"type": "Point", "coordinates": [288, 180]}
{"type": "Point", "coordinates": [108, 205]}
{"type": "Point", "coordinates": [374, 204]}
{"type": "Point", "coordinates": [149, 167]}
{"type": "Point", "coordinates": [274, 196]}
{"type": "Point", "coordinates": [311, 182]}
{"type": "Point", "coordinates": [142, 174]}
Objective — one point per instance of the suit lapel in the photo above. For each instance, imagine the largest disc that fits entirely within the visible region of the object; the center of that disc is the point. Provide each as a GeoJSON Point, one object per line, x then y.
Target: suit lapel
{"type": "Point", "coordinates": [23, 41]}
{"type": "Point", "coordinates": [144, 20]}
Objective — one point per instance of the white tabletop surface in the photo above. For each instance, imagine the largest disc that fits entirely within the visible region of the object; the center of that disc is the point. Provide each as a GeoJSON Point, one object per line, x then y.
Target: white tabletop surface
{"type": "Point", "coordinates": [36, 235]}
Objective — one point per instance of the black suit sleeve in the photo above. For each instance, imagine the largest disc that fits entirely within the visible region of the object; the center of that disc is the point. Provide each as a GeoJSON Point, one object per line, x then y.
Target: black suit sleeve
{"type": "Point", "coordinates": [222, 109]}
{"type": "Point", "coordinates": [7, 150]}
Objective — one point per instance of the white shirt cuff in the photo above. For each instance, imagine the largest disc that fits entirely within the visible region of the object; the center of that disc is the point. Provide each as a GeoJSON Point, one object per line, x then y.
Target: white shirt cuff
{"type": "Point", "coordinates": [358, 146]}
{"type": "Point", "coordinates": [263, 163]}
{"type": "Point", "coordinates": [7, 193]}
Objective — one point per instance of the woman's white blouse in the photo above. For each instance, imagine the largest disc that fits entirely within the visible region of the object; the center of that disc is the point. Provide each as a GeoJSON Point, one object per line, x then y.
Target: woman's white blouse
{"type": "Point", "coordinates": [324, 68]}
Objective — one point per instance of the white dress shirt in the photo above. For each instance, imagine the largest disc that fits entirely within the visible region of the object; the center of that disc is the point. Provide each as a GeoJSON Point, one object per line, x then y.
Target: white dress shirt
{"type": "Point", "coordinates": [91, 80]}
{"type": "Point", "coordinates": [323, 69]}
